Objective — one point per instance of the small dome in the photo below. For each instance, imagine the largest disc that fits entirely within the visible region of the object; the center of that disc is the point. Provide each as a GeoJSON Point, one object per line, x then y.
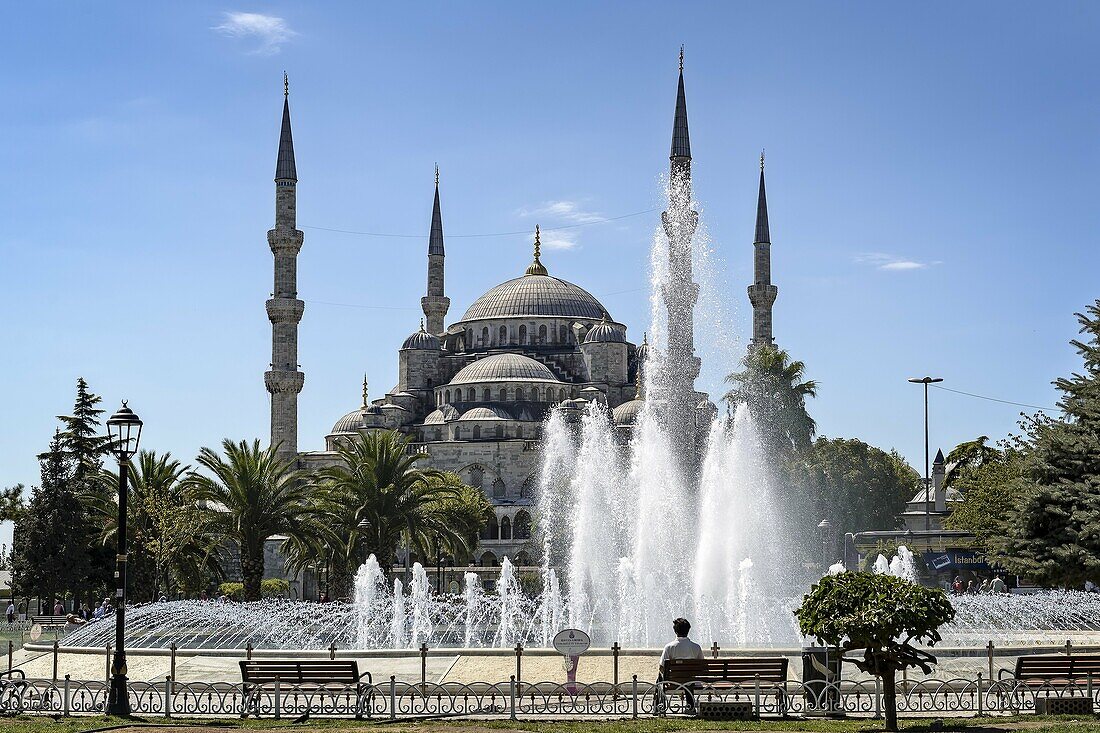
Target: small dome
{"type": "Point", "coordinates": [950, 494]}
{"type": "Point", "coordinates": [485, 413]}
{"type": "Point", "coordinates": [627, 412]}
{"type": "Point", "coordinates": [349, 423]}
{"type": "Point", "coordinates": [446, 413]}
{"type": "Point", "coordinates": [504, 368]}
{"type": "Point", "coordinates": [421, 341]}
{"type": "Point", "coordinates": [604, 332]}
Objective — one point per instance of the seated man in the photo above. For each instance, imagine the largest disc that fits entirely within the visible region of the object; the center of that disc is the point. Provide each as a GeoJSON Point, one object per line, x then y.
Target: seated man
{"type": "Point", "coordinates": [682, 648]}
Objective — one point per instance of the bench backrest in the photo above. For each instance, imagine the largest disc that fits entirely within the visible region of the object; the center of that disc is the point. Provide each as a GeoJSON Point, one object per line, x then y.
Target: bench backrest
{"type": "Point", "coordinates": [296, 671]}
{"type": "Point", "coordinates": [726, 669]}
{"type": "Point", "coordinates": [1057, 666]}
{"type": "Point", "coordinates": [49, 619]}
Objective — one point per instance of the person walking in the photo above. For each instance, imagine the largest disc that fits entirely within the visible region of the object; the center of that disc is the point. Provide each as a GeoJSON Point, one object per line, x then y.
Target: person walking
{"type": "Point", "coordinates": [998, 585]}
{"type": "Point", "coordinates": [58, 607]}
{"type": "Point", "coordinates": [11, 611]}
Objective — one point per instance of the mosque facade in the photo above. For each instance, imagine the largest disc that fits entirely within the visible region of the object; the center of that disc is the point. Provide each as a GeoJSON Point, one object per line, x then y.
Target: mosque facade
{"type": "Point", "coordinates": [473, 394]}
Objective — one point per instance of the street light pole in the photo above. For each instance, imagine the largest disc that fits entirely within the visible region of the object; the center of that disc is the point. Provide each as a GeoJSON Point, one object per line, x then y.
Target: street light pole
{"type": "Point", "coordinates": [927, 479]}
{"type": "Point", "coordinates": [124, 433]}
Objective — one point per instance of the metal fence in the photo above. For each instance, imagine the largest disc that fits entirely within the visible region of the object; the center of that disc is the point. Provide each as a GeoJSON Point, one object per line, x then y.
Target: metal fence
{"type": "Point", "coordinates": [511, 699]}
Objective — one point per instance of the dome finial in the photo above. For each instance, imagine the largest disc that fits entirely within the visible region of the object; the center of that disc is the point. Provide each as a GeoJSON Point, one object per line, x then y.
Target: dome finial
{"type": "Point", "coordinates": [366, 393]}
{"type": "Point", "coordinates": [421, 324]}
{"type": "Point", "coordinates": [536, 267]}
{"type": "Point", "coordinates": [286, 85]}
{"type": "Point", "coordinates": [761, 160]}
{"type": "Point", "coordinates": [437, 175]}
{"type": "Point", "coordinates": [681, 57]}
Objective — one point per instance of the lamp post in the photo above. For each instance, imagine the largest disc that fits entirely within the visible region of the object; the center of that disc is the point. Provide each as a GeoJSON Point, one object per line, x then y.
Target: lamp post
{"type": "Point", "coordinates": [927, 481]}
{"type": "Point", "coordinates": [124, 432]}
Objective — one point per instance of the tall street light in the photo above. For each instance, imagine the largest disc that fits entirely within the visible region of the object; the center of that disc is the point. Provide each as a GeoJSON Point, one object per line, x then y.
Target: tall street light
{"type": "Point", "coordinates": [927, 480]}
{"type": "Point", "coordinates": [124, 432]}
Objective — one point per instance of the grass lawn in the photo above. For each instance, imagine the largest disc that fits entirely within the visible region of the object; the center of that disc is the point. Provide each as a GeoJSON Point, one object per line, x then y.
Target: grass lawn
{"type": "Point", "coordinates": [1029, 724]}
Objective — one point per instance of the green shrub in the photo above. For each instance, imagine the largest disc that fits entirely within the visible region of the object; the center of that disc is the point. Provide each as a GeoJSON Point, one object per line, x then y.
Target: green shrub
{"type": "Point", "coordinates": [270, 588]}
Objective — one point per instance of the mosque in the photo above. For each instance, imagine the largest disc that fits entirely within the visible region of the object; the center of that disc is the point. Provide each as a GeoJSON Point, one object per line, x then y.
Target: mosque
{"type": "Point", "coordinates": [474, 394]}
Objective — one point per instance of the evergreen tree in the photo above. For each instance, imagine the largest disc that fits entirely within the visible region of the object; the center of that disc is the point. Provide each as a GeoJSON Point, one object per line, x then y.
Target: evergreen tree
{"type": "Point", "coordinates": [1054, 535]}
{"type": "Point", "coordinates": [50, 554]}
{"type": "Point", "coordinates": [12, 503]}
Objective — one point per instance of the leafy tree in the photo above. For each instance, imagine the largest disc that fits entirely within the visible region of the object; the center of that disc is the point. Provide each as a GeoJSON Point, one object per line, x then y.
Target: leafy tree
{"type": "Point", "coordinates": [774, 389]}
{"type": "Point", "coordinates": [858, 486]}
{"type": "Point", "coordinates": [881, 615]}
{"type": "Point", "coordinates": [12, 503]}
{"type": "Point", "coordinates": [50, 550]}
{"type": "Point", "coordinates": [968, 457]}
{"type": "Point", "coordinates": [376, 498]}
{"type": "Point", "coordinates": [250, 495]}
{"type": "Point", "coordinates": [992, 490]}
{"type": "Point", "coordinates": [1054, 535]}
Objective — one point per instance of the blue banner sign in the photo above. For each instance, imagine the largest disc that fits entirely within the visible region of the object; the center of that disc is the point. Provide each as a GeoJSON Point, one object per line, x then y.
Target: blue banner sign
{"type": "Point", "coordinates": [955, 560]}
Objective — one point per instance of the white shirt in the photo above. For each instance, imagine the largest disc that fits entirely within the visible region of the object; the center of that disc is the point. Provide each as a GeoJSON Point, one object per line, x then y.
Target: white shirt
{"type": "Point", "coordinates": [11, 608]}
{"type": "Point", "coordinates": [682, 648]}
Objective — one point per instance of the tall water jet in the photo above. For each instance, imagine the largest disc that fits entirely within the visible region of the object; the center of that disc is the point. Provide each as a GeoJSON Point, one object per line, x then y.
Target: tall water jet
{"type": "Point", "coordinates": [421, 590]}
{"type": "Point", "coordinates": [371, 599]}
{"type": "Point", "coordinates": [475, 596]}
{"type": "Point", "coordinates": [397, 620]}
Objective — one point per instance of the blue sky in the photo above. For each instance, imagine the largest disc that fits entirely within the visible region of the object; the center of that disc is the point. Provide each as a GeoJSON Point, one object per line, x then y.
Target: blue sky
{"type": "Point", "coordinates": [931, 175]}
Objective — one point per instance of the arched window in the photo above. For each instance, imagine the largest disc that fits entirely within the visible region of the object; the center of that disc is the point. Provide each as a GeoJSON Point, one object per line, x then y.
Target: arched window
{"type": "Point", "coordinates": [521, 530]}
{"type": "Point", "coordinates": [561, 395]}
{"type": "Point", "coordinates": [485, 396]}
{"type": "Point", "coordinates": [519, 432]}
{"type": "Point", "coordinates": [564, 337]}
{"type": "Point", "coordinates": [499, 431]}
{"type": "Point", "coordinates": [447, 397]}
{"type": "Point", "coordinates": [519, 394]}
{"type": "Point", "coordinates": [438, 434]}
{"type": "Point", "coordinates": [502, 338]}
{"type": "Point", "coordinates": [527, 491]}
{"type": "Point", "coordinates": [503, 396]}
{"type": "Point", "coordinates": [506, 529]}
{"type": "Point", "coordinates": [542, 334]}
{"type": "Point", "coordinates": [498, 490]}
{"type": "Point", "coordinates": [489, 531]}
{"type": "Point", "coordinates": [488, 560]}
{"type": "Point", "coordinates": [477, 432]}
{"type": "Point", "coordinates": [523, 334]}
{"type": "Point", "coordinates": [469, 337]}
{"type": "Point", "coordinates": [485, 336]}
{"type": "Point", "coordinates": [477, 477]}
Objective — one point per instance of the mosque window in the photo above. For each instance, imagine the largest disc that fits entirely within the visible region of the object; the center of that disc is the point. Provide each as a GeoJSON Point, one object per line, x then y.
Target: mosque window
{"type": "Point", "coordinates": [447, 397]}
{"type": "Point", "coordinates": [470, 336]}
{"type": "Point", "coordinates": [561, 394]}
{"type": "Point", "coordinates": [477, 477]}
{"type": "Point", "coordinates": [489, 531]}
{"type": "Point", "coordinates": [542, 334]}
{"type": "Point", "coordinates": [520, 396]}
{"type": "Point", "coordinates": [523, 334]}
{"type": "Point", "coordinates": [477, 432]}
{"type": "Point", "coordinates": [498, 491]}
{"type": "Point", "coordinates": [485, 336]}
{"type": "Point", "coordinates": [564, 335]}
{"type": "Point", "coordinates": [506, 529]}
{"type": "Point", "coordinates": [519, 431]}
{"type": "Point", "coordinates": [485, 395]}
{"type": "Point", "coordinates": [527, 491]}
{"type": "Point", "coordinates": [522, 527]}
{"type": "Point", "coordinates": [499, 431]}
{"type": "Point", "coordinates": [503, 396]}
{"type": "Point", "coordinates": [503, 338]}
{"type": "Point", "coordinates": [488, 560]}
{"type": "Point", "coordinates": [438, 434]}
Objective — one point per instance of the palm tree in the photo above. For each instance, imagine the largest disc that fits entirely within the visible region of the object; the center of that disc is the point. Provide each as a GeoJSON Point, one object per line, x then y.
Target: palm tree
{"type": "Point", "coordinates": [161, 521]}
{"type": "Point", "coordinates": [376, 498]}
{"type": "Point", "coordinates": [250, 495]}
{"type": "Point", "coordinates": [774, 389]}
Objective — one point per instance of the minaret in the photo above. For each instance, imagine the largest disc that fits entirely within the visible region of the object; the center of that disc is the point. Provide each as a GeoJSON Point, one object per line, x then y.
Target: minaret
{"type": "Point", "coordinates": [681, 291]}
{"type": "Point", "coordinates": [435, 304]}
{"type": "Point", "coordinates": [284, 381]}
{"type": "Point", "coordinates": [762, 293]}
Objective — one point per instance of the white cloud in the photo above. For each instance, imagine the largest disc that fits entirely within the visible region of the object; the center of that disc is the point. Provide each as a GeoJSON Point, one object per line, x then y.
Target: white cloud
{"type": "Point", "coordinates": [268, 31]}
{"type": "Point", "coordinates": [558, 240]}
{"type": "Point", "coordinates": [891, 263]}
{"type": "Point", "coordinates": [569, 211]}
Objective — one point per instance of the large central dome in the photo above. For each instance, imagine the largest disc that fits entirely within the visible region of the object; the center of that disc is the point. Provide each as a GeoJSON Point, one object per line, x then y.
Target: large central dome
{"type": "Point", "coordinates": [536, 295]}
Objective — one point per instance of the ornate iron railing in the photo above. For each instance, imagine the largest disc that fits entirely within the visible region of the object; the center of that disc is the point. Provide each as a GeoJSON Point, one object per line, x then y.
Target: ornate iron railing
{"type": "Point", "coordinates": [392, 699]}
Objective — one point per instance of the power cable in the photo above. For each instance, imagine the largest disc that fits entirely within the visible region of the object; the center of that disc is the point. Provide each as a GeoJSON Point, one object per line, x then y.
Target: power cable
{"type": "Point", "coordinates": [472, 236]}
{"type": "Point", "coordinates": [994, 399]}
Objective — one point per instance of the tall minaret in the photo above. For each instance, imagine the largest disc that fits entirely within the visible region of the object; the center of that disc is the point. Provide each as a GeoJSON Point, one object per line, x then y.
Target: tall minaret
{"type": "Point", "coordinates": [681, 291]}
{"type": "Point", "coordinates": [435, 303]}
{"type": "Point", "coordinates": [284, 381]}
{"type": "Point", "coordinates": [762, 293]}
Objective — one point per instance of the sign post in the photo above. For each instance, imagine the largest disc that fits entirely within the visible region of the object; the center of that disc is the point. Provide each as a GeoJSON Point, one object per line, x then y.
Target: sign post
{"type": "Point", "coordinates": [571, 644]}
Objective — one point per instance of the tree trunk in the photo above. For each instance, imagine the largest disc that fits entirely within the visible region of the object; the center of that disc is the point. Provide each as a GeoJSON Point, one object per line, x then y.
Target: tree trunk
{"type": "Point", "coordinates": [340, 579]}
{"type": "Point", "coordinates": [889, 697]}
{"type": "Point", "coordinates": [252, 571]}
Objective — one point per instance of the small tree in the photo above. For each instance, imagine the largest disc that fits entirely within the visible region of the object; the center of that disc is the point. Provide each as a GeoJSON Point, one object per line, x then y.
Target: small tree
{"type": "Point", "coordinates": [881, 615]}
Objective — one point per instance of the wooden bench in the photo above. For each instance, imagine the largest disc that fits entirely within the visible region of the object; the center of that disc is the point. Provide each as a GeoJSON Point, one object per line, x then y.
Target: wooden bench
{"type": "Point", "coordinates": [260, 675]}
{"type": "Point", "coordinates": [51, 623]}
{"type": "Point", "coordinates": [723, 673]}
{"type": "Point", "coordinates": [1038, 670]}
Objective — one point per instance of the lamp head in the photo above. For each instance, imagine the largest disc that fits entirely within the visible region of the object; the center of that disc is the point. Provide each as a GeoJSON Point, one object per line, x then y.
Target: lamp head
{"type": "Point", "coordinates": [124, 433]}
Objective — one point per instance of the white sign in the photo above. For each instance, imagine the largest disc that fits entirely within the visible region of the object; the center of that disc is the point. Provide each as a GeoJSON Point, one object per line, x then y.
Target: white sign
{"type": "Point", "coordinates": [571, 642]}
{"type": "Point", "coordinates": [36, 632]}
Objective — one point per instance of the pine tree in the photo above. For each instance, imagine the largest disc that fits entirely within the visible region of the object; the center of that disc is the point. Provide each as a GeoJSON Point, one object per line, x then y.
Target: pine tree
{"type": "Point", "coordinates": [50, 549]}
{"type": "Point", "coordinates": [1054, 536]}
{"type": "Point", "coordinates": [81, 437]}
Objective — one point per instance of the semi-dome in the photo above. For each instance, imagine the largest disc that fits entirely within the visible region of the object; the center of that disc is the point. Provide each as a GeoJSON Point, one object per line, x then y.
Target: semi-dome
{"type": "Point", "coordinates": [604, 332]}
{"type": "Point", "coordinates": [627, 413]}
{"type": "Point", "coordinates": [446, 413]}
{"type": "Point", "coordinates": [485, 413]}
{"type": "Point", "coordinates": [349, 423]}
{"type": "Point", "coordinates": [504, 368]}
{"type": "Point", "coordinates": [421, 340]}
{"type": "Point", "coordinates": [536, 295]}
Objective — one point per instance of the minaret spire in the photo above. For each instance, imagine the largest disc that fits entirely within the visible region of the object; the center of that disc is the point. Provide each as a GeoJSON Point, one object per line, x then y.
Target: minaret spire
{"type": "Point", "coordinates": [762, 293]}
{"type": "Point", "coordinates": [284, 380]}
{"type": "Point", "coordinates": [435, 303]}
{"type": "Point", "coordinates": [680, 293]}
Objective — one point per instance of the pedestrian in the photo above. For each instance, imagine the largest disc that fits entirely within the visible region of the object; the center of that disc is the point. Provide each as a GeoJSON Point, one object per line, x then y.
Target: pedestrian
{"type": "Point", "coordinates": [998, 585]}
{"type": "Point", "coordinates": [58, 607]}
{"type": "Point", "coordinates": [11, 611]}
{"type": "Point", "coordinates": [970, 589]}
{"type": "Point", "coordinates": [957, 586]}
{"type": "Point", "coordinates": [985, 586]}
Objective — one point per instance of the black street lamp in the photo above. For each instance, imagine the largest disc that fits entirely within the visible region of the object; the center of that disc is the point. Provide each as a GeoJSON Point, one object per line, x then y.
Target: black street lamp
{"type": "Point", "coordinates": [124, 432]}
{"type": "Point", "coordinates": [927, 480]}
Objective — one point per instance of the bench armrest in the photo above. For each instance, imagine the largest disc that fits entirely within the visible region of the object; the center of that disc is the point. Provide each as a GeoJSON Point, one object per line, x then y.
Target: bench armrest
{"type": "Point", "coordinates": [1001, 674]}
{"type": "Point", "coordinates": [12, 674]}
{"type": "Point", "coordinates": [370, 679]}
